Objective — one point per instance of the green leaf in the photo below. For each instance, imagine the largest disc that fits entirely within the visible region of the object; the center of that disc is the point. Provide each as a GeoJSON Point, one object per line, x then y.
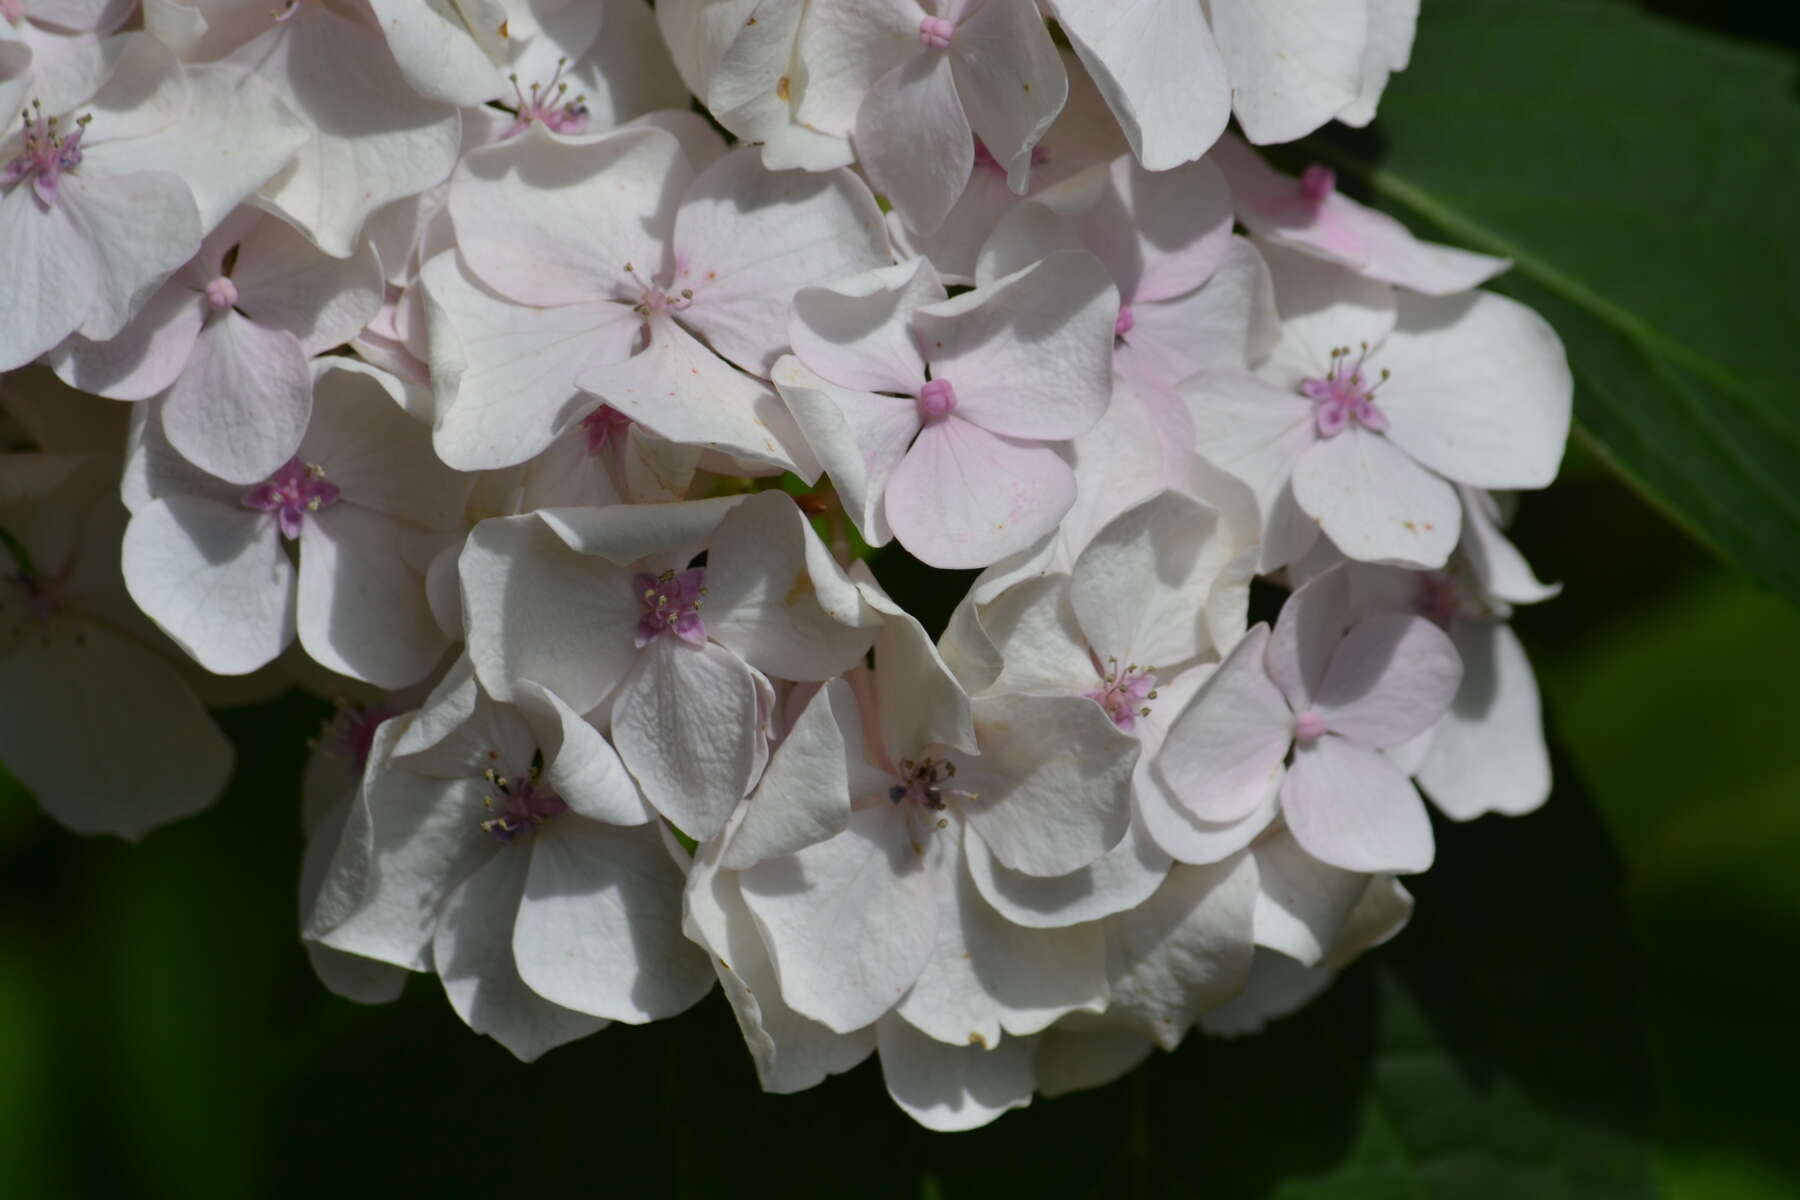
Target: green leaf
{"type": "Point", "coordinates": [1642, 176]}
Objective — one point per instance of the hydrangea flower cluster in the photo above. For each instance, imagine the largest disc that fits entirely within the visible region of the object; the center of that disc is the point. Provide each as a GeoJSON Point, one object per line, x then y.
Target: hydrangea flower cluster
{"type": "Point", "coordinates": [442, 359]}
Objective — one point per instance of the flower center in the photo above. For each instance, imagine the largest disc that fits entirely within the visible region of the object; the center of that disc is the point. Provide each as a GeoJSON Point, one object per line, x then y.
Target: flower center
{"type": "Point", "coordinates": [1122, 693]}
{"type": "Point", "coordinates": [221, 294]}
{"type": "Point", "coordinates": [1344, 394]}
{"type": "Point", "coordinates": [1317, 183]}
{"type": "Point", "coordinates": [654, 299]}
{"type": "Point", "coordinates": [935, 33]}
{"type": "Point", "coordinates": [546, 105]}
{"type": "Point", "coordinates": [937, 399]}
{"type": "Point", "coordinates": [1309, 727]}
{"type": "Point", "coordinates": [46, 155]}
{"type": "Point", "coordinates": [671, 604]}
{"type": "Point", "coordinates": [1125, 322]}
{"type": "Point", "coordinates": [519, 805]}
{"type": "Point", "coordinates": [604, 426]}
{"type": "Point", "coordinates": [296, 489]}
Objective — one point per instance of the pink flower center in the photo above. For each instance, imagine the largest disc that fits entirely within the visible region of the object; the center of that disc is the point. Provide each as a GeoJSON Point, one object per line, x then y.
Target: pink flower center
{"type": "Point", "coordinates": [671, 604]}
{"type": "Point", "coordinates": [1343, 395]}
{"type": "Point", "coordinates": [1317, 183]}
{"type": "Point", "coordinates": [519, 805]}
{"type": "Point", "coordinates": [292, 492]}
{"type": "Point", "coordinates": [653, 300]}
{"type": "Point", "coordinates": [935, 33]}
{"type": "Point", "coordinates": [46, 154]}
{"type": "Point", "coordinates": [1124, 322]}
{"type": "Point", "coordinates": [1309, 727]}
{"type": "Point", "coordinates": [546, 105]}
{"type": "Point", "coordinates": [937, 399]}
{"type": "Point", "coordinates": [1122, 693]}
{"type": "Point", "coordinates": [221, 294]}
{"type": "Point", "coordinates": [604, 426]}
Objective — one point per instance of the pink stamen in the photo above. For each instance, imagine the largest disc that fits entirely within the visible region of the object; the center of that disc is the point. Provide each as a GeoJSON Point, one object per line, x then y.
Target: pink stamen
{"type": "Point", "coordinates": [604, 426]}
{"type": "Point", "coordinates": [935, 33]}
{"type": "Point", "coordinates": [1317, 183]}
{"type": "Point", "coordinates": [1309, 727]}
{"type": "Point", "coordinates": [1124, 322]}
{"type": "Point", "coordinates": [671, 604]}
{"type": "Point", "coordinates": [937, 399]}
{"type": "Point", "coordinates": [519, 806]}
{"type": "Point", "coordinates": [292, 492]}
{"type": "Point", "coordinates": [654, 300]}
{"type": "Point", "coordinates": [1123, 693]}
{"type": "Point", "coordinates": [1343, 395]}
{"type": "Point", "coordinates": [546, 105]}
{"type": "Point", "coordinates": [46, 154]}
{"type": "Point", "coordinates": [221, 294]}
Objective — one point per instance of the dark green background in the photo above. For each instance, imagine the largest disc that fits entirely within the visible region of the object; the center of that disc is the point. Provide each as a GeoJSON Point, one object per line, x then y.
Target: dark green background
{"type": "Point", "coordinates": [1591, 1001]}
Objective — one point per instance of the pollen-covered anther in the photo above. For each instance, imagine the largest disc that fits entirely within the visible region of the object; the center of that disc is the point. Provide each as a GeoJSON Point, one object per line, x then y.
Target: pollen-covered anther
{"type": "Point", "coordinates": [655, 299]}
{"type": "Point", "coordinates": [1122, 693]}
{"type": "Point", "coordinates": [520, 805]}
{"type": "Point", "coordinates": [671, 604]}
{"type": "Point", "coordinates": [545, 104]}
{"type": "Point", "coordinates": [291, 493]}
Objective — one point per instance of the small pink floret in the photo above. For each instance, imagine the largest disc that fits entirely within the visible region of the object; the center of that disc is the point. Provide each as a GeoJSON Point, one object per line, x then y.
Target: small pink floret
{"type": "Point", "coordinates": [519, 807]}
{"type": "Point", "coordinates": [1123, 697]}
{"type": "Point", "coordinates": [546, 105]}
{"type": "Point", "coordinates": [1343, 394]}
{"type": "Point", "coordinates": [291, 493]}
{"type": "Point", "coordinates": [935, 33]}
{"type": "Point", "coordinates": [671, 604]}
{"type": "Point", "coordinates": [937, 399]}
{"type": "Point", "coordinates": [1125, 322]}
{"type": "Point", "coordinates": [221, 294]}
{"type": "Point", "coordinates": [1309, 727]}
{"type": "Point", "coordinates": [45, 156]}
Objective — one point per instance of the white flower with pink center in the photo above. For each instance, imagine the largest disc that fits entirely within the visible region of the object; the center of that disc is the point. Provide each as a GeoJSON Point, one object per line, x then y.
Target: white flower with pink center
{"type": "Point", "coordinates": [1333, 693]}
{"type": "Point", "coordinates": [363, 504]}
{"type": "Point", "coordinates": [607, 609]}
{"type": "Point", "coordinates": [1375, 404]}
{"type": "Point", "coordinates": [936, 418]}
{"type": "Point", "coordinates": [506, 849]}
{"type": "Point", "coordinates": [603, 283]}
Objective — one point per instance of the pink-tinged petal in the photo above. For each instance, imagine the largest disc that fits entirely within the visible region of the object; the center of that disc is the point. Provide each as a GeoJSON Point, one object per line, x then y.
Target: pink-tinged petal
{"type": "Point", "coordinates": [599, 927]}
{"type": "Point", "coordinates": [504, 373]}
{"type": "Point", "coordinates": [684, 721]}
{"type": "Point", "coordinates": [1161, 234]}
{"type": "Point", "coordinates": [777, 597]}
{"type": "Point", "coordinates": [1010, 78]}
{"type": "Point", "coordinates": [147, 355]}
{"type": "Point", "coordinates": [1390, 679]}
{"type": "Point", "coordinates": [856, 333]}
{"type": "Point", "coordinates": [545, 221]}
{"type": "Point", "coordinates": [850, 921]}
{"type": "Point", "coordinates": [1312, 622]}
{"type": "Point", "coordinates": [746, 238]}
{"type": "Point", "coordinates": [1120, 879]}
{"type": "Point", "coordinates": [1302, 904]}
{"type": "Point", "coordinates": [1488, 753]}
{"type": "Point", "coordinates": [284, 282]}
{"type": "Point", "coordinates": [1222, 758]}
{"type": "Point", "coordinates": [1348, 806]}
{"type": "Point", "coordinates": [679, 390]}
{"type": "Point", "coordinates": [1031, 355]}
{"type": "Point", "coordinates": [1375, 503]}
{"type": "Point", "coordinates": [537, 610]}
{"type": "Point", "coordinates": [858, 439]}
{"type": "Point", "coordinates": [138, 228]}
{"type": "Point", "coordinates": [472, 952]}
{"type": "Point", "coordinates": [373, 139]}
{"type": "Point", "coordinates": [214, 578]}
{"type": "Point", "coordinates": [914, 139]}
{"type": "Point", "coordinates": [1293, 66]}
{"type": "Point", "coordinates": [1159, 69]}
{"type": "Point", "coordinates": [243, 402]}
{"type": "Point", "coordinates": [952, 1088]}
{"type": "Point", "coordinates": [75, 686]}
{"type": "Point", "coordinates": [1480, 390]}
{"type": "Point", "coordinates": [1051, 791]}
{"type": "Point", "coordinates": [964, 497]}
{"type": "Point", "coordinates": [1184, 950]}
{"type": "Point", "coordinates": [362, 608]}
{"type": "Point", "coordinates": [1227, 323]}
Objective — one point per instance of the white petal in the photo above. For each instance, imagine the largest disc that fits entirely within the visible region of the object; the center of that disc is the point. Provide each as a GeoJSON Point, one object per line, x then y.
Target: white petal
{"type": "Point", "coordinates": [951, 1088]}
{"type": "Point", "coordinates": [1313, 621]}
{"type": "Point", "coordinates": [362, 608]}
{"type": "Point", "coordinates": [1222, 758]}
{"type": "Point", "coordinates": [1293, 64]}
{"type": "Point", "coordinates": [914, 140]}
{"type": "Point", "coordinates": [242, 402]}
{"type": "Point", "coordinates": [1010, 78]}
{"type": "Point", "coordinates": [1488, 753]}
{"type": "Point", "coordinates": [804, 796]}
{"type": "Point", "coordinates": [1350, 807]}
{"type": "Point", "coordinates": [1375, 503]}
{"type": "Point", "coordinates": [1390, 679]}
{"type": "Point", "coordinates": [1122, 878]}
{"type": "Point", "coordinates": [139, 229]}
{"type": "Point", "coordinates": [146, 356]}
{"type": "Point", "coordinates": [579, 764]}
{"type": "Point", "coordinates": [284, 282]}
{"type": "Point", "coordinates": [1303, 903]}
{"type": "Point", "coordinates": [964, 497]}
{"type": "Point", "coordinates": [858, 438]}
{"type": "Point", "coordinates": [1140, 587]}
